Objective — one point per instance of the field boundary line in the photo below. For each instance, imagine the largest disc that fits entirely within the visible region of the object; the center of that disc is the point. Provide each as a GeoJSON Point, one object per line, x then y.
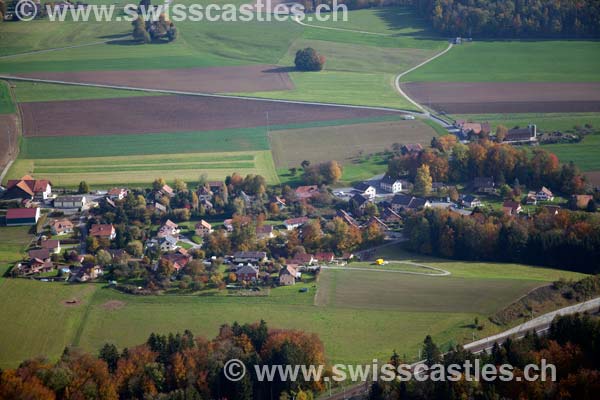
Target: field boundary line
{"type": "Point", "coordinates": [17, 134]}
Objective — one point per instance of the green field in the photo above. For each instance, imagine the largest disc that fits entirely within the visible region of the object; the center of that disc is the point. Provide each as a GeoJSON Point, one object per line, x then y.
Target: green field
{"type": "Point", "coordinates": [584, 154]}
{"type": "Point", "coordinates": [7, 105]}
{"type": "Point", "coordinates": [515, 61]}
{"type": "Point", "coordinates": [108, 171]}
{"type": "Point", "coordinates": [359, 315]}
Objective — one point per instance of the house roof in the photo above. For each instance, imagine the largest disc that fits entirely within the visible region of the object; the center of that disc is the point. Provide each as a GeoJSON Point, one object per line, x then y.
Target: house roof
{"type": "Point", "coordinates": [346, 217]}
{"type": "Point", "coordinates": [50, 244]}
{"type": "Point", "coordinates": [42, 254]}
{"type": "Point", "coordinates": [264, 229]}
{"type": "Point", "coordinates": [61, 224]}
{"type": "Point", "coordinates": [18, 213]}
{"type": "Point", "coordinates": [513, 205]}
{"type": "Point", "coordinates": [516, 134]}
{"type": "Point", "coordinates": [28, 184]}
{"type": "Point", "coordinates": [389, 214]}
{"type": "Point", "coordinates": [288, 270]}
{"type": "Point", "coordinates": [483, 182]}
{"type": "Point", "coordinates": [170, 224]}
{"type": "Point", "coordinates": [246, 269]}
{"type": "Point", "coordinates": [362, 186]}
{"type": "Point", "coordinates": [359, 199]}
{"type": "Point", "coordinates": [77, 198]}
{"type": "Point", "coordinates": [203, 224]}
{"type": "Point", "coordinates": [388, 179]}
{"type": "Point", "coordinates": [296, 221]}
{"type": "Point", "coordinates": [102, 230]}
{"type": "Point", "coordinates": [301, 258]}
{"type": "Point", "coordinates": [170, 239]}
{"type": "Point", "coordinates": [546, 191]}
{"type": "Point", "coordinates": [469, 198]}
{"type": "Point", "coordinates": [116, 191]}
{"type": "Point", "coordinates": [250, 254]}
{"type": "Point", "coordinates": [305, 192]}
{"type": "Point", "coordinates": [582, 199]}
{"type": "Point", "coordinates": [324, 256]}
{"type": "Point", "coordinates": [412, 147]}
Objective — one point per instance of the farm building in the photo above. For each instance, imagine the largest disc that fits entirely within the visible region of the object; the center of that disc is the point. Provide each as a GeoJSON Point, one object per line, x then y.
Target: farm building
{"type": "Point", "coordinates": [70, 202]}
{"type": "Point", "coordinates": [22, 216]}
{"type": "Point", "coordinates": [411, 148]}
{"type": "Point", "coordinates": [28, 188]}
{"type": "Point", "coordinates": [521, 135]}
{"type": "Point", "coordinates": [511, 208]}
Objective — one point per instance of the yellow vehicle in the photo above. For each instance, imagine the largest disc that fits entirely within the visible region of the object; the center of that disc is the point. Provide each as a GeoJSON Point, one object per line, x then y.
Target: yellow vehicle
{"type": "Point", "coordinates": [379, 261]}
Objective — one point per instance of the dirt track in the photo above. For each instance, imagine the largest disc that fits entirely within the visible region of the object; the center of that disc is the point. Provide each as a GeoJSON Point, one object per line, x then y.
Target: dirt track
{"type": "Point", "coordinates": [170, 114]}
{"type": "Point", "coordinates": [9, 145]}
{"type": "Point", "coordinates": [233, 79]}
{"type": "Point", "coordinates": [506, 97]}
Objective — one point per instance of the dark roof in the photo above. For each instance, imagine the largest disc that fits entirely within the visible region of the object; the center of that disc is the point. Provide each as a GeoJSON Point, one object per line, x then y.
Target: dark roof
{"type": "Point", "coordinates": [389, 180]}
{"type": "Point", "coordinates": [42, 254]}
{"type": "Point", "coordinates": [483, 182]}
{"type": "Point", "coordinates": [362, 186]}
{"type": "Point", "coordinates": [359, 199]}
{"type": "Point", "coordinates": [250, 254]}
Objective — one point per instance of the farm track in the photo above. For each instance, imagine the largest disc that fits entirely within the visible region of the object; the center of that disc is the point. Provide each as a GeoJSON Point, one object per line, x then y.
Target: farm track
{"type": "Point", "coordinates": [400, 75]}
{"type": "Point", "coordinates": [442, 272]}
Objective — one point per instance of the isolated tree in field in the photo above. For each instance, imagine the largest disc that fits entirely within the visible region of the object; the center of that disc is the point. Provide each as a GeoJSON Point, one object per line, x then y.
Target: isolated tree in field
{"type": "Point", "coordinates": [305, 164]}
{"type": "Point", "coordinates": [140, 33]}
{"type": "Point", "coordinates": [309, 60]}
{"type": "Point", "coordinates": [83, 187]}
{"type": "Point", "coordinates": [423, 180]}
{"type": "Point", "coordinates": [431, 352]}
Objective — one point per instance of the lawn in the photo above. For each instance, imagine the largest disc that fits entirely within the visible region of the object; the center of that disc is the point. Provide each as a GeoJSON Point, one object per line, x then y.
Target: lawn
{"type": "Point", "coordinates": [515, 61]}
{"type": "Point", "coordinates": [13, 241]}
{"type": "Point", "coordinates": [108, 171]}
{"type": "Point", "coordinates": [359, 315]}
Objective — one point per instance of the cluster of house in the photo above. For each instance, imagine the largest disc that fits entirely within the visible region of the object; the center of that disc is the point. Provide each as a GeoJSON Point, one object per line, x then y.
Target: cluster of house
{"type": "Point", "coordinates": [246, 266]}
{"type": "Point", "coordinates": [465, 131]}
{"type": "Point", "coordinates": [39, 261]}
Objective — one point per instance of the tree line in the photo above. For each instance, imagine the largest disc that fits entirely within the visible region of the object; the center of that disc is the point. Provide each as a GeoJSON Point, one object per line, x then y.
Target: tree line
{"type": "Point", "coordinates": [512, 18]}
{"type": "Point", "coordinates": [172, 367]}
{"type": "Point", "coordinates": [449, 160]}
{"type": "Point", "coordinates": [567, 240]}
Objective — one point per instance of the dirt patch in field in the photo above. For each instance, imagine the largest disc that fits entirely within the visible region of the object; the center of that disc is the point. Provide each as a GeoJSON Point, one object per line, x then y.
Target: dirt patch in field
{"type": "Point", "coordinates": [506, 97]}
{"type": "Point", "coordinates": [250, 78]}
{"type": "Point", "coordinates": [112, 305]}
{"type": "Point", "coordinates": [344, 142]}
{"type": "Point", "coordinates": [161, 114]}
{"type": "Point", "coordinates": [593, 178]}
{"type": "Point", "coordinates": [71, 302]}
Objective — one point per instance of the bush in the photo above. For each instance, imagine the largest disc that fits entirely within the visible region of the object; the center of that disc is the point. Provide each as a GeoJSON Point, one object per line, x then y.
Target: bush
{"type": "Point", "coordinates": [309, 60]}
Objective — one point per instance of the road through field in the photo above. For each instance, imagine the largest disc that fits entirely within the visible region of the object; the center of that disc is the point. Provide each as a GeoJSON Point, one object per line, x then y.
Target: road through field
{"type": "Point", "coordinates": [400, 75]}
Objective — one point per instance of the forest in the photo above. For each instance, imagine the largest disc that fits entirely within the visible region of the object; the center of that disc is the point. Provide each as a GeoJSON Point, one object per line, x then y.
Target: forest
{"type": "Point", "coordinates": [172, 367]}
{"type": "Point", "coordinates": [567, 240]}
{"type": "Point", "coordinates": [512, 18]}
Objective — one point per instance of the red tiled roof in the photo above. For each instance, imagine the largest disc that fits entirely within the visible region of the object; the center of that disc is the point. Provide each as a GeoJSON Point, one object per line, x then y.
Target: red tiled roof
{"type": "Point", "coordinates": [18, 213]}
{"type": "Point", "coordinates": [101, 230]}
{"type": "Point", "coordinates": [28, 184]}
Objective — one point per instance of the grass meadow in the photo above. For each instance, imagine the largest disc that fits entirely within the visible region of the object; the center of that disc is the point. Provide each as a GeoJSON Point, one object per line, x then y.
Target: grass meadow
{"type": "Point", "coordinates": [515, 61]}
{"type": "Point", "coordinates": [359, 315]}
{"type": "Point", "coordinates": [7, 105]}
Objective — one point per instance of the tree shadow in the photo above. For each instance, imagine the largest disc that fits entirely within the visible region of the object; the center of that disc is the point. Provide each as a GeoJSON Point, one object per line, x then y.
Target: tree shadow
{"type": "Point", "coordinates": [279, 70]}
